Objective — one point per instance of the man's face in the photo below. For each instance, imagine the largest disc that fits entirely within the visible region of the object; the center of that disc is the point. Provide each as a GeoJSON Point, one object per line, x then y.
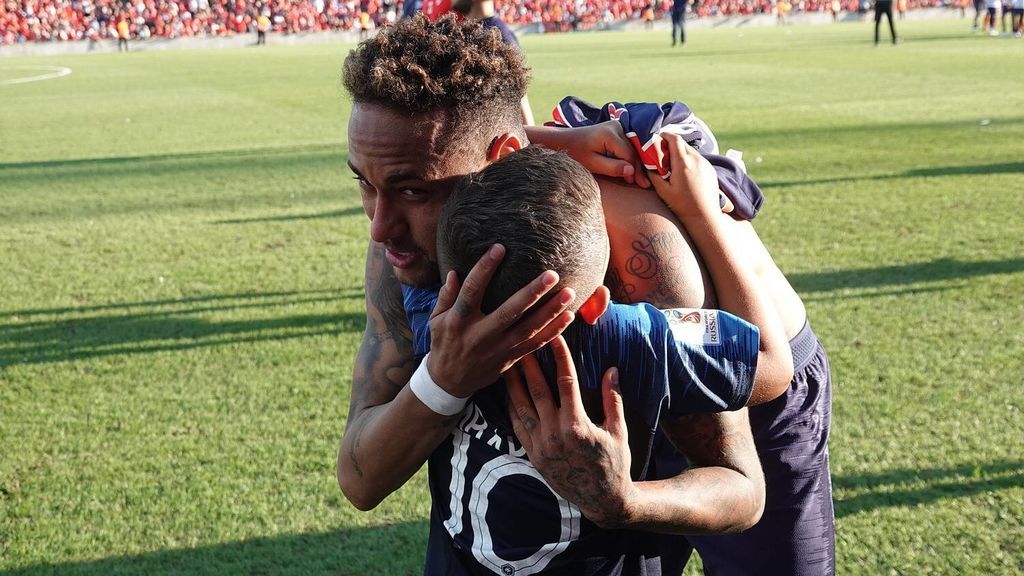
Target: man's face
{"type": "Point", "coordinates": [404, 180]}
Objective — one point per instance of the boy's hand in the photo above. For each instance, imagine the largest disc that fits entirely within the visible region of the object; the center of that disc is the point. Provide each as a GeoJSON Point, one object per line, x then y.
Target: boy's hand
{"type": "Point", "coordinates": [692, 189]}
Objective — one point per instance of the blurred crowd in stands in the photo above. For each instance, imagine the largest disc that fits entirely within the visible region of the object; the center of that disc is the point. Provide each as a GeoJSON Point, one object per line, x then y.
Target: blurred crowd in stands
{"type": "Point", "coordinates": [70, 20]}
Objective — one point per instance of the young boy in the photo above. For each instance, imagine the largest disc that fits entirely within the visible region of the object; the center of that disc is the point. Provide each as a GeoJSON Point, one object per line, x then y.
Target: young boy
{"type": "Point", "coordinates": [546, 209]}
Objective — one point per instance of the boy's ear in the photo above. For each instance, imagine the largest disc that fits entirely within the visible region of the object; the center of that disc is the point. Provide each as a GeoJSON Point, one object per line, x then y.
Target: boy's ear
{"type": "Point", "coordinates": [595, 306]}
{"type": "Point", "coordinates": [502, 146]}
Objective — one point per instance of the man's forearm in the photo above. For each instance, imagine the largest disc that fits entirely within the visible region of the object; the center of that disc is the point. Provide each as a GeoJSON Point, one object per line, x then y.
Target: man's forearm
{"type": "Point", "coordinates": [723, 490]}
{"type": "Point", "coordinates": [711, 500]}
{"type": "Point", "coordinates": [389, 433]}
{"type": "Point", "coordinates": [385, 445]}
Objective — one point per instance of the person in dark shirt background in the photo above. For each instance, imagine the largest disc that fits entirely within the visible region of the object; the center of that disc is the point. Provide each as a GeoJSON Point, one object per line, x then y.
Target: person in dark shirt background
{"type": "Point", "coordinates": [483, 11]}
{"type": "Point", "coordinates": [884, 8]}
{"type": "Point", "coordinates": [679, 20]}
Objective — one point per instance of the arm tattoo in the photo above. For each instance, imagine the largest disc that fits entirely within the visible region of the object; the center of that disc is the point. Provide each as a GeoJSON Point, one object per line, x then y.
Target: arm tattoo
{"type": "Point", "coordinates": [385, 358]}
{"type": "Point", "coordinates": [720, 441]}
{"type": "Point", "coordinates": [716, 440]}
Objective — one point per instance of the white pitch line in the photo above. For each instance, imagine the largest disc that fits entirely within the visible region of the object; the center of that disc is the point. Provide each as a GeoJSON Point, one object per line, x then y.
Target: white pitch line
{"type": "Point", "coordinates": [54, 72]}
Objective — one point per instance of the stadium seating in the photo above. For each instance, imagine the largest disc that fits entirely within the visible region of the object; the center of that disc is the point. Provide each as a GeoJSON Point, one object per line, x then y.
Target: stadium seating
{"type": "Point", "coordinates": [93, 20]}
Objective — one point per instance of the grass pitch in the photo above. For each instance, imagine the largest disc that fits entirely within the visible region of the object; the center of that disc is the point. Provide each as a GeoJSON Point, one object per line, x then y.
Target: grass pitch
{"type": "Point", "coordinates": [181, 291]}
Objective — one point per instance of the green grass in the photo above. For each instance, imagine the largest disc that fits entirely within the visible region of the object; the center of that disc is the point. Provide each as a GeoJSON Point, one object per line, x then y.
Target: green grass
{"type": "Point", "coordinates": [181, 291]}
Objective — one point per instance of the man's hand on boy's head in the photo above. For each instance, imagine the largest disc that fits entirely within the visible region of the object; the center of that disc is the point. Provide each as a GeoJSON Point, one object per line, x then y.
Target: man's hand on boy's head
{"type": "Point", "coordinates": [692, 189]}
{"type": "Point", "coordinates": [470, 349]}
{"type": "Point", "coordinates": [586, 464]}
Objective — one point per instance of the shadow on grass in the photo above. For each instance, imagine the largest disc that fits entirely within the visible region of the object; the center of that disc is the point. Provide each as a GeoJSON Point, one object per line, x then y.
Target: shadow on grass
{"type": "Point", "coordinates": [61, 334]}
{"type": "Point", "coordinates": [394, 549]}
{"type": "Point", "coordinates": [912, 291]}
{"type": "Point", "coordinates": [871, 130]}
{"type": "Point", "coordinates": [942, 38]}
{"type": "Point", "coordinates": [689, 51]}
{"type": "Point", "coordinates": [356, 210]}
{"type": "Point", "coordinates": [912, 487]}
{"type": "Point", "coordinates": [280, 154]}
{"type": "Point", "coordinates": [243, 179]}
{"type": "Point", "coordinates": [325, 294]}
{"type": "Point", "coordinates": [398, 548]}
{"type": "Point", "coordinates": [968, 170]}
{"type": "Point", "coordinates": [936, 270]}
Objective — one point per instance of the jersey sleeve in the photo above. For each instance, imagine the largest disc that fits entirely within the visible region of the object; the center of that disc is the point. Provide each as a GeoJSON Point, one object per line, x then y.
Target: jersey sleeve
{"type": "Point", "coordinates": [711, 357]}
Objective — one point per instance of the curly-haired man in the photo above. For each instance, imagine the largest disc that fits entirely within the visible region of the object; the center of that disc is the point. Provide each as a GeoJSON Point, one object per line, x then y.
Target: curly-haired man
{"type": "Point", "coordinates": [432, 103]}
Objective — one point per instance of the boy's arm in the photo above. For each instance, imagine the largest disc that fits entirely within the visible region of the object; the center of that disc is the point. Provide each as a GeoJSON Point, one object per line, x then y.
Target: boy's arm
{"type": "Point", "coordinates": [601, 148]}
{"type": "Point", "coordinates": [589, 465]}
{"type": "Point", "coordinates": [692, 195]}
{"type": "Point", "coordinates": [390, 433]}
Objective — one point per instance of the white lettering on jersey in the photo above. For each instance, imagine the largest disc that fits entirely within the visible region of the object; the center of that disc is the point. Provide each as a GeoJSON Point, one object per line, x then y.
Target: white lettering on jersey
{"type": "Point", "coordinates": [483, 548]}
{"type": "Point", "coordinates": [458, 484]}
{"type": "Point", "coordinates": [502, 465]}
{"type": "Point", "coordinates": [495, 441]}
{"type": "Point", "coordinates": [514, 449]}
{"type": "Point", "coordinates": [477, 424]}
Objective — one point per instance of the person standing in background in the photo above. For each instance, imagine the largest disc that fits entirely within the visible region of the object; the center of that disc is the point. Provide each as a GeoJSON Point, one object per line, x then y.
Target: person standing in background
{"type": "Point", "coordinates": [782, 9]}
{"type": "Point", "coordinates": [679, 20]}
{"type": "Point", "coordinates": [979, 5]}
{"type": "Point", "coordinates": [364, 24]}
{"type": "Point", "coordinates": [992, 12]}
{"type": "Point", "coordinates": [648, 16]}
{"type": "Point", "coordinates": [483, 12]}
{"type": "Point", "coordinates": [884, 7]}
{"type": "Point", "coordinates": [123, 33]}
{"type": "Point", "coordinates": [262, 25]}
{"type": "Point", "coordinates": [1004, 14]}
{"type": "Point", "coordinates": [1017, 17]}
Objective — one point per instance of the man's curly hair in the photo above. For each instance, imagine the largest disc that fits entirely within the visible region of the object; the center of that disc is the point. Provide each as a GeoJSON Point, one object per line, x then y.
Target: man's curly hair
{"type": "Point", "coordinates": [420, 66]}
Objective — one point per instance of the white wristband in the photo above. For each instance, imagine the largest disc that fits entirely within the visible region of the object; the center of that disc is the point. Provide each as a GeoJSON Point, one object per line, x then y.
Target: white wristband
{"type": "Point", "coordinates": [435, 397]}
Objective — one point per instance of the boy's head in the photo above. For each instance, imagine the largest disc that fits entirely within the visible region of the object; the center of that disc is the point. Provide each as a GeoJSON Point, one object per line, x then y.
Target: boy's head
{"type": "Point", "coordinates": [545, 208]}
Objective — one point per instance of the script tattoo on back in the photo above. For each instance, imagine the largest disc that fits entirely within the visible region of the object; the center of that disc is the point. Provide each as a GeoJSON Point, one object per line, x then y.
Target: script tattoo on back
{"type": "Point", "coordinates": [652, 271]}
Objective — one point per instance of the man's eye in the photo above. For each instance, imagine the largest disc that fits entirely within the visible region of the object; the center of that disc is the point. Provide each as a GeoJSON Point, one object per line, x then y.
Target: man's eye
{"type": "Point", "coordinates": [361, 181]}
{"type": "Point", "coordinates": [414, 193]}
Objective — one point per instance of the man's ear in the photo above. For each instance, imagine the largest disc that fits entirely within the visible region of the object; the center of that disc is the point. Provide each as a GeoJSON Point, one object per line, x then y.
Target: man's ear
{"type": "Point", "coordinates": [503, 145]}
{"type": "Point", "coordinates": [595, 306]}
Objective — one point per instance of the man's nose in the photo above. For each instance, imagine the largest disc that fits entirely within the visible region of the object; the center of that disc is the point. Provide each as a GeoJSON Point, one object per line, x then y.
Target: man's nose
{"type": "Point", "coordinates": [386, 221]}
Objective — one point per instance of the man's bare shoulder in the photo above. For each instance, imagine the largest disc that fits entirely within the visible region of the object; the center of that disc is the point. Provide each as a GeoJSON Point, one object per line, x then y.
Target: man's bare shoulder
{"type": "Point", "coordinates": [652, 258]}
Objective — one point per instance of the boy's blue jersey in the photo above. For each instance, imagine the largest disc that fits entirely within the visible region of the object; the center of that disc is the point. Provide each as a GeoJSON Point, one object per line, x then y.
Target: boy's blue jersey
{"type": "Point", "coordinates": [492, 512]}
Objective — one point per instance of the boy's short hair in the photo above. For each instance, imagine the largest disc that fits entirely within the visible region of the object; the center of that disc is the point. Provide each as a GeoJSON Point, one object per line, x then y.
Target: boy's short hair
{"type": "Point", "coordinates": [544, 207]}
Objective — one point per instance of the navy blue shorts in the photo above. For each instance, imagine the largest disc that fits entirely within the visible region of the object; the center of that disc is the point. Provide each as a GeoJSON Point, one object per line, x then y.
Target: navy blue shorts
{"type": "Point", "coordinates": [796, 534]}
